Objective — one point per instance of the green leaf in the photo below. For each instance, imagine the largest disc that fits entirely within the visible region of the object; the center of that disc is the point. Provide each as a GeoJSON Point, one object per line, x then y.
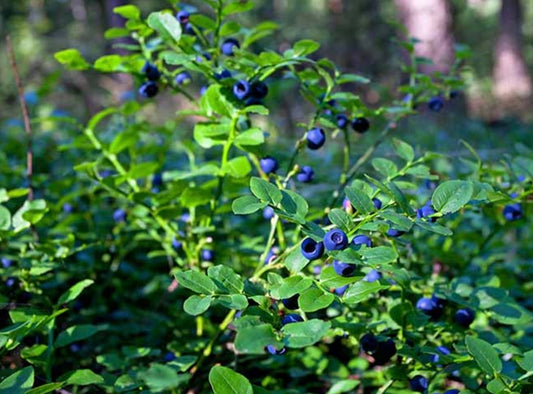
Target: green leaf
{"type": "Point", "coordinates": [109, 63]}
{"type": "Point", "coordinates": [45, 388]}
{"type": "Point", "coordinates": [196, 305]}
{"type": "Point", "coordinates": [385, 167]}
{"type": "Point", "coordinates": [254, 339]}
{"type": "Point", "coordinates": [403, 149]}
{"type": "Point", "coordinates": [265, 191]}
{"type": "Point", "coordinates": [226, 278]}
{"type": "Point", "coordinates": [294, 206]}
{"type": "Point", "coordinates": [237, 167]}
{"type": "Point", "coordinates": [496, 386]}
{"type": "Point", "coordinates": [195, 196]}
{"type": "Point", "coordinates": [378, 255]}
{"type": "Point", "coordinates": [233, 301]}
{"type": "Point", "coordinates": [196, 281]}
{"type": "Point", "coordinates": [213, 101]}
{"type": "Point", "coordinates": [484, 354]}
{"type": "Point", "coordinates": [18, 382]}
{"type": "Point", "coordinates": [123, 141]}
{"type": "Point", "coordinates": [291, 286]}
{"type": "Point", "coordinates": [30, 213]}
{"type": "Point", "coordinates": [208, 135]}
{"type": "Point", "coordinates": [305, 47]}
{"type": "Point", "coordinates": [314, 299]}
{"type": "Point", "coordinates": [246, 205]}
{"type": "Point", "coordinates": [73, 293]}
{"type": "Point", "coordinates": [250, 137]}
{"type": "Point", "coordinates": [341, 219]}
{"type": "Point", "coordinates": [128, 11]}
{"type": "Point", "coordinates": [303, 334]}
{"type": "Point", "coordinates": [74, 334]}
{"type": "Point", "coordinates": [332, 280]}
{"type": "Point", "coordinates": [72, 59]}
{"type": "Point", "coordinates": [360, 200]}
{"type": "Point", "coordinates": [451, 196]}
{"type": "Point", "coordinates": [237, 6]}
{"type": "Point", "coordinates": [226, 381]}
{"type": "Point", "coordinates": [526, 361]}
{"type": "Point", "coordinates": [81, 377]}
{"type": "Point", "coordinates": [295, 261]}
{"type": "Point", "coordinates": [433, 227]}
{"type": "Point", "coordinates": [166, 25]}
{"type": "Point", "coordinates": [343, 386]}
{"type": "Point", "coordinates": [399, 197]}
{"type": "Point", "coordinates": [141, 170]}
{"type": "Point", "coordinates": [362, 290]}
{"type": "Point", "coordinates": [161, 377]}
{"type": "Point", "coordinates": [5, 218]}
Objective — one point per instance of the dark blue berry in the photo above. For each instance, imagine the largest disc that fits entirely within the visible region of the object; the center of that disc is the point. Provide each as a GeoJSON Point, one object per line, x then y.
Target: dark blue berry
{"type": "Point", "coordinates": [341, 290]}
{"type": "Point", "coordinates": [177, 245]}
{"type": "Point", "coordinates": [426, 305]}
{"type": "Point", "coordinates": [441, 349]}
{"type": "Point", "coordinates": [67, 208]}
{"type": "Point", "coordinates": [391, 232]}
{"type": "Point", "coordinates": [343, 269]}
{"type": "Point", "coordinates": [148, 89]}
{"type": "Point", "coordinates": [435, 104]}
{"type": "Point", "coordinates": [305, 175]}
{"type": "Point", "coordinates": [465, 316]}
{"type": "Point", "coordinates": [271, 255]}
{"type": "Point", "coordinates": [183, 78]}
{"type": "Point", "coordinates": [452, 391]}
{"type": "Point", "coordinates": [272, 350]}
{"type": "Point", "coordinates": [373, 276]}
{"type": "Point", "coordinates": [258, 90]}
{"type": "Point", "coordinates": [157, 180]}
{"type": "Point", "coordinates": [384, 351]}
{"type": "Point", "coordinates": [419, 383]}
{"type": "Point", "coordinates": [311, 249]}
{"type": "Point", "coordinates": [188, 29]}
{"type": "Point", "coordinates": [268, 213]}
{"type": "Point", "coordinates": [228, 46]}
{"type": "Point", "coordinates": [223, 74]}
{"type": "Point", "coordinates": [183, 17]}
{"type": "Point", "coordinates": [454, 94]}
{"type": "Point", "coordinates": [151, 72]}
{"type": "Point", "coordinates": [369, 343]}
{"type": "Point", "coordinates": [512, 212]}
{"type": "Point", "coordinates": [208, 255]}
{"type": "Point", "coordinates": [291, 302]}
{"type": "Point", "coordinates": [362, 240]}
{"type": "Point", "coordinates": [120, 215]}
{"type": "Point", "coordinates": [342, 121]}
{"type": "Point", "coordinates": [241, 89]}
{"type": "Point", "coordinates": [169, 356]}
{"type": "Point", "coordinates": [6, 263]}
{"type": "Point", "coordinates": [377, 203]}
{"type": "Point", "coordinates": [335, 239]}
{"type": "Point", "coordinates": [291, 318]}
{"type": "Point", "coordinates": [315, 138]}
{"type": "Point", "coordinates": [10, 282]}
{"type": "Point", "coordinates": [268, 164]}
{"type": "Point", "coordinates": [360, 124]}
{"type": "Point", "coordinates": [425, 211]}
{"type": "Point", "coordinates": [203, 89]}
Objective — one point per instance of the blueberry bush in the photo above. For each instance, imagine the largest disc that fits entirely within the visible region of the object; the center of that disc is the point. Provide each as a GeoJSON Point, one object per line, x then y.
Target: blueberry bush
{"type": "Point", "coordinates": [199, 253]}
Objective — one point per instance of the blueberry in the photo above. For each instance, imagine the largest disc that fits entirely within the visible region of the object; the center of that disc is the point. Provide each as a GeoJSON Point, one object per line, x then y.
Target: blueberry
{"type": "Point", "coordinates": [419, 383]}
{"type": "Point", "coordinates": [426, 306]}
{"type": "Point", "coordinates": [391, 232]}
{"type": "Point", "coordinates": [343, 269]}
{"type": "Point", "coordinates": [311, 249]}
{"type": "Point", "coordinates": [317, 269]}
{"type": "Point", "coordinates": [67, 208]}
{"type": "Point", "coordinates": [315, 138]}
{"type": "Point", "coordinates": [335, 239]}
{"type": "Point", "coordinates": [223, 74]}
{"type": "Point", "coordinates": [31, 98]}
{"type": "Point", "coordinates": [425, 211]}
{"type": "Point", "coordinates": [268, 213]}
{"type": "Point", "coordinates": [6, 263]}
{"type": "Point", "coordinates": [342, 121]}
{"type": "Point", "coordinates": [148, 89]}
{"type": "Point", "coordinates": [373, 276]}
{"type": "Point", "coordinates": [452, 391]}
{"type": "Point", "coordinates": [377, 203]}
{"type": "Point", "coordinates": [384, 351]}
{"type": "Point", "coordinates": [183, 78]}
{"type": "Point", "coordinates": [241, 89]}
{"type": "Point", "coordinates": [157, 180]}
{"type": "Point", "coordinates": [369, 343]}
{"type": "Point", "coordinates": [512, 212]}
{"type": "Point", "coordinates": [305, 175]}
{"type": "Point", "coordinates": [188, 29]}
{"type": "Point", "coordinates": [271, 255]}
{"type": "Point", "coordinates": [208, 255]}
{"type": "Point", "coordinates": [228, 46]}
{"type": "Point", "coordinates": [183, 17]}
{"type": "Point", "coordinates": [454, 94]}
{"type": "Point", "coordinates": [10, 282]}
{"type": "Point", "coordinates": [362, 240]}
{"type": "Point", "coordinates": [435, 104]}
{"type": "Point", "coordinates": [151, 72]}
{"type": "Point", "coordinates": [169, 356]}
{"type": "Point", "coordinates": [258, 90]}
{"type": "Point", "coordinates": [521, 178]}
{"type": "Point", "coordinates": [464, 317]}
{"type": "Point", "coordinates": [74, 348]}
{"type": "Point", "coordinates": [203, 89]}
{"type": "Point", "coordinates": [291, 302]}
{"type": "Point", "coordinates": [268, 164]}
{"type": "Point", "coordinates": [177, 245]}
{"type": "Point", "coordinates": [106, 173]}
{"type": "Point", "coordinates": [272, 350]}
{"type": "Point", "coordinates": [120, 215]}
{"type": "Point", "coordinates": [341, 290]}
{"type": "Point", "coordinates": [441, 349]}
{"type": "Point", "coordinates": [360, 124]}
{"type": "Point", "coordinates": [291, 318]}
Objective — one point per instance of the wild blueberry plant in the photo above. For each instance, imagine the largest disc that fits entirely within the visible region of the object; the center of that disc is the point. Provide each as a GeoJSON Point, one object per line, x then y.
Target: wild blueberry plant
{"type": "Point", "coordinates": [361, 284]}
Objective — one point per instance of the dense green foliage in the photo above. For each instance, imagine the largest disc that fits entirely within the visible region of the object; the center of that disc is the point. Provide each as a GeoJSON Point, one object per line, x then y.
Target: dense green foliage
{"type": "Point", "coordinates": [145, 261]}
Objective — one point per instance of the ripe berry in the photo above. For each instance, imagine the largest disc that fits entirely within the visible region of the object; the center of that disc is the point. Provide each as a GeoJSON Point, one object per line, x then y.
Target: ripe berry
{"type": "Point", "coordinates": [384, 351]}
{"type": "Point", "coordinates": [373, 276]}
{"type": "Point", "coordinates": [432, 307]}
{"type": "Point", "coordinates": [177, 245]}
{"type": "Point", "coordinates": [10, 282]}
{"type": "Point", "coordinates": [452, 391]}
{"type": "Point", "coordinates": [335, 239]}
{"type": "Point", "coordinates": [268, 213]}
{"type": "Point", "coordinates": [258, 90]}
{"type": "Point", "coordinates": [272, 350]}
{"type": "Point", "coordinates": [343, 269]}
{"type": "Point", "coordinates": [151, 72]}
{"type": "Point", "coordinates": [441, 349]}
{"type": "Point", "coordinates": [67, 208]}
{"type": "Point", "coordinates": [512, 212]}
{"type": "Point", "coordinates": [202, 57]}
{"type": "Point", "coordinates": [291, 318]}
{"type": "Point", "coordinates": [362, 240]}
{"type": "Point", "coordinates": [228, 46]}
{"type": "Point", "coordinates": [311, 249]}
{"type": "Point", "coordinates": [425, 211]}
{"type": "Point", "coordinates": [188, 29]}
{"type": "Point", "coordinates": [369, 343]}
{"type": "Point", "coordinates": [391, 232]}
{"type": "Point", "coordinates": [183, 17]}
{"type": "Point", "coordinates": [315, 138]}
{"type": "Point", "coordinates": [268, 164]}
{"type": "Point", "coordinates": [157, 180]}
{"type": "Point", "coordinates": [464, 317]}
{"type": "Point", "coordinates": [360, 124]}
{"type": "Point", "coordinates": [169, 356]}
{"type": "Point", "coordinates": [306, 174]}
{"type": "Point", "coordinates": [271, 255]}
{"type": "Point", "coordinates": [453, 94]}
{"type": "Point", "coordinates": [183, 78]}
{"type": "Point", "coordinates": [419, 383]}
{"type": "Point", "coordinates": [208, 255]}
{"type": "Point", "coordinates": [241, 89]}
{"type": "Point", "coordinates": [6, 263]}
{"type": "Point", "coordinates": [341, 290]}
{"type": "Point", "coordinates": [223, 74]}
{"type": "Point", "coordinates": [291, 302]}
{"type": "Point", "coordinates": [120, 215]}
{"type": "Point", "coordinates": [377, 203]}
{"type": "Point", "coordinates": [435, 104]}
{"type": "Point", "coordinates": [342, 121]}
{"type": "Point", "coordinates": [203, 89]}
{"type": "Point", "coordinates": [148, 89]}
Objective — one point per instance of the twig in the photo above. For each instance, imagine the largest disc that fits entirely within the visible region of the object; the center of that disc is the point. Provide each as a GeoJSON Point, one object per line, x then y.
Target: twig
{"type": "Point", "coordinates": [25, 115]}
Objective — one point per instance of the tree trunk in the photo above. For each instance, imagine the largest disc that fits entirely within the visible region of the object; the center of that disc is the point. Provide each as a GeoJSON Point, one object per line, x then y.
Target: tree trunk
{"type": "Point", "coordinates": [430, 22]}
{"type": "Point", "coordinates": [512, 83]}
